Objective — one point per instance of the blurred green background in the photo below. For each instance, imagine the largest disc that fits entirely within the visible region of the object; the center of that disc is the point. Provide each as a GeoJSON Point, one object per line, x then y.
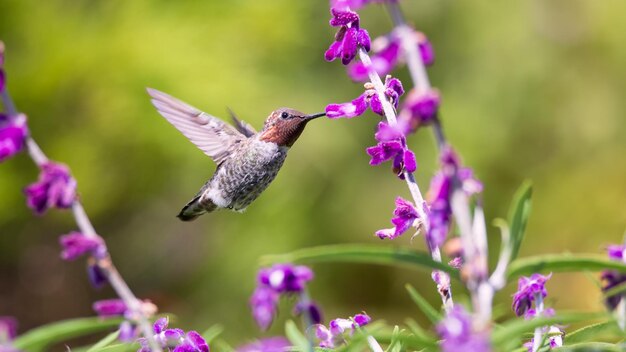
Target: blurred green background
{"type": "Point", "coordinates": [531, 89]}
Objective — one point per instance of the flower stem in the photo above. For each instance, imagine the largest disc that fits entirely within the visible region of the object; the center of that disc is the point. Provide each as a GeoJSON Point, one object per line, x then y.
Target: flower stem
{"type": "Point", "coordinates": [444, 285]}
{"type": "Point", "coordinates": [538, 331]}
{"type": "Point", "coordinates": [87, 229]}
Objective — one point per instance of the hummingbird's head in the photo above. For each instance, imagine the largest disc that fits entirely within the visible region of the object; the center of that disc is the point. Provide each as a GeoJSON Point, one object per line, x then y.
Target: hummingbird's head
{"type": "Point", "coordinates": [285, 125]}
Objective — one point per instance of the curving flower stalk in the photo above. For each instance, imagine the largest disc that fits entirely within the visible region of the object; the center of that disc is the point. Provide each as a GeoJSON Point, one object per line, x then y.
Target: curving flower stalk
{"type": "Point", "coordinates": [101, 265]}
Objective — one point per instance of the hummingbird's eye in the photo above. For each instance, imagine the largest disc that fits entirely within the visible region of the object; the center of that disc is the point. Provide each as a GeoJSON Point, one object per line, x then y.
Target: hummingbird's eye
{"type": "Point", "coordinates": [284, 115]}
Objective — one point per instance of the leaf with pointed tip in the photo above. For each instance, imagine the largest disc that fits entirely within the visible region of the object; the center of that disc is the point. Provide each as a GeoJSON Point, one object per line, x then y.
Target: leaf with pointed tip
{"type": "Point", "coordinates": [590, 346]}
{"type": "Point", "coordinates": [211, 333]}
{"type": "Point", "coordinates": [431, 313]}
{"type": "Point", "coordinates": [518, 216]}
{"type": "Point", "coordinates": [106, 341]}
{"type": "Point", "coordinates": [593, 332]}
{"type": "Point", "coordinates": [296, 337]}
{"type": "Point", "coordinates": [562, 263]}
{"type": "Point", "coordinates": [351, 253]}
{"type": "Point", "coordinates": [38, 339]}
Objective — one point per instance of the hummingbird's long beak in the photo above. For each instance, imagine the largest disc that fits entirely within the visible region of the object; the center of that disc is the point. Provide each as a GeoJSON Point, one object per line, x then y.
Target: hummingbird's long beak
{"type": "Point", "coordinates": [314, 116]}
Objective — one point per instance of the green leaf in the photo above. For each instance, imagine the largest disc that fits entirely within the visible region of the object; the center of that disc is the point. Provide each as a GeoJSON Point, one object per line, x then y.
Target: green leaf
{"type": "Point", "coordinates": [513, 329]}
{"type": "Point", "coordinates": [590, 347]}
{"type": "Point", "coordinates": [615, 290]}
{"type": "Point", "coordinates": [409, 341]}
{"type": "Point", "coordinates": [593, 332]}
{"type": "Point", "coordinates": [107, 340]}
{"type": "Point", "coordinates": [39, 338]}
{"type": "Point", "coordinates": [296, 337]}
{"type": "Point", "coordinates": [211, 333]}
{"type": "Point", "coordinates": [562, 263]}
{"type": "Point", "coordinates": [351, 253]}
{"type": "Point", "coordinates": [431, 313]}
{"type": "Point", "coordinates": [518, 216]}
{"type": "Point", "coordinates": [424, 337]}
{"type": "Point", "coordinates": [119, 347]}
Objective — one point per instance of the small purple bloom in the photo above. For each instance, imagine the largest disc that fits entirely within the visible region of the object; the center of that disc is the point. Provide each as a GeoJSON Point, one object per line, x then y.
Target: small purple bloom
{"type": "Point", "coordinates": [285, 277]}
{"type": "Point", "coordinates": [554, 341]}
{"type": "Point", "coordinates": [349, 37]}
{"type": "Point", "coordinates": [270, 344]}
{"type": "Point", "coordinates": [528, 288]}
{"type": "Point", "coordinates": [109, 307]}
{"type": "Point", "coordinates": [393, 91]}
{"type": "Point", "coordinates": [613, 278]}
{"type": "Point", "coordinates": [456, 331]}
{"type": "Point", "coordinates": [425, 48]}
{"type": "Point", "coordinates": [13, 132]}
{"type": "Point", "coordinates": [352, 109]}
{"type": "Point", "coordinates": [405, 216]}
{"type": "Point", "coordinates": [264, 302]}
{"type": "Point", "coordinates": [331, 336]}
{"type": "Point", "coordinates": [384, 151]}
{"type": "Point", "coordinates": [386, 54]}
{"type": "Point", "coordinates": [8, 325]}
{"type": "Point", "coordinates": [456, 262]}
{"type": "Point", "coordinates": [174, 340]}
{"type": "Point", "coordinates": [75, 244]}
{"type": "Point", "coordinates": [55, 188]}
{"type": "Point", "coordinates": [420, 108]}
{"type": "Point", "coordinates": [310, 310]}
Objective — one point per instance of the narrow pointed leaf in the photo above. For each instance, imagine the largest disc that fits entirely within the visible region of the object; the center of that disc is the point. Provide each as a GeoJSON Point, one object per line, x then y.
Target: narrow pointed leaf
{"type": "Point", "coordinates": [386, 255]}
{"type": "Point", "coordinates": [518, 216]}
{"type": "Point", "coordinates": [431, 313]}
{"type": "Point", "coordinates": [107, 340]}
{"type": "Point", "coordinates": [39, 338]}
{"type": "Point", "coordinates": [296, 337]}
{"type": "Point", "coordinates": [590, 346]}
{"type": "Point", "coordinates": [211, 333]}
{"type": "Point", "coordinates": [593, 332]}
{"type": "Point", "coordinates": [562, 263]}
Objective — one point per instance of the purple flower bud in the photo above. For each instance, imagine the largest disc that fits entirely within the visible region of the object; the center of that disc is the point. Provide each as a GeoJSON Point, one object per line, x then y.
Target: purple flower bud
{"type": "Point", "coordinates": [196, 342]}
{"type": "Point", "coordinates": [456, 331]}
{"type": "Point", "coordinates": [613, 278]}
{"type": "Point", "coordinates": [264, 303]}
{"type": "Point", "coordinates": [333, 335]}
{"type": "Point", "coordinates": [348, 38]}
{"type": "Point", "coordinates": [174, 339]}
{"type": "Point", "coordinates": [96, 276]}
{"type": "Point", "coordinates": [310, 309]}
{"type": "Point", "coordinates": [8, 325]}
{"type": "Point", "coordinates": [362, 319]}
{"type": "Point", "coordinates": [384, 151]}
{"type": "Point", "coordinates": [75, 244]}
{"type": "Point", "coordinates": [13, 132]}
{"type": "Point", "coordinates": [386, 133]}
{"type": "Point", "coordinates": [386, 55]}
{"type": "Point", "coordinates": [270, 344]}
{"type": "Point", "coordinates": [352, 109]}
{"type": "Point", "coordinates": [616, 252]}
{"type": "Point", "coordinates": [109, 307]}
{"type": "Point", "coordinates": [128, 331]}
{"type": "Point", "coordinates": [528, 288]}
{"type": "Point", "coordinates": [55, 188]}
{"type": "Point", "coordinates": [344, 17]}
{"type": "Point", "coordinates": [405, 216]}
{"type": "Point", "coordinates": [393, 91]}
{"type": "Point", "coordinates": [556, 340]}
{"type": "Point", "coordinates": [285, 277]}
{"type": "Point", "coordinates": [426, 49]}
{"type": "Point", "coordinates": [420, 108]}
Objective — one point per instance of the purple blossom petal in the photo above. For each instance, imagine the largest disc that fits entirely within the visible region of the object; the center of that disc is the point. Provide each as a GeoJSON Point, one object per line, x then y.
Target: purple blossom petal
{"type": "Point", "coordinates": [264, 302]}
{"type": "Point", "coordinates": [270, 344]}
{"type": "Point", "coordinates": [385, 132]}
{"type": "Point", "coordinates": [13, 132]}
{"type": "Point", "coordinates": [363, 39]}
{"type": "Point", "coordinates": [97, 278]}
{"type": "Point", "coordinates": [128, 331]}
{"type": "Point", "coordinates": [384, 151]}
{"type": "Point", "coordinates": [616, 252]}
{"type": "Point", "coordinates": [109, 307]}
{"type": "Point", "coordinates": [456, 331]}
{"type": "Point", "coordinates": [352, 109]}
{"type": "Point", "coordinates": [344, 17]}
{"type": "Point", "coordinates": [527, 290]}
{"type": "Point", "coordinates": [426, 51]}
{"type": "Point", "coordinates": [362, 319]}
{"type": "Point", "coordinates": [8, 325]}
{"type": "Point", "coordinates": [410, 164]}
{"type": "Point", "coordinates": [311, 310]}
{"type": "Point", "coordinates": [160, 325]}
{"type": "Point", "coordinates": [55, 188]}
{"type": "Point", "coordinates": [420, 108]}
{"type": "Point", "coordinates": [334, 51]}
{"type": "Point", "coordinates": [197, 341]}
{"type": "Point", "coordinates": [75, 244]}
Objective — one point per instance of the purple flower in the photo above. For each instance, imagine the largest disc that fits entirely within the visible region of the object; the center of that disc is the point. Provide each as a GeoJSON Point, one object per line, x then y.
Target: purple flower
{"type": "Point", "coordinates": [285, 277]}
{"type": "Point", "coordinates": [613, 278]}
{"type": "Point", "coordinates": [109, 307]}
{"type": "Point", "coordinates": [55, 188]}
{"type": "Point", "coordinates": [393, 91]}
{"type": "Point", "coordinates": [8, 325]}
{"type": "Point", "coordinates": [385, 57]}
{"type": "Point", "coordinates": [456, 262]}
{"type": "Point", "coordinates": [425, 48]}
{"type": "Point", "coordinates": [456, 331]}
{"type": "Point", "coordinates": [351, 109]}
{"type": "Point", "coordinates": [528, 289]}
{"type": "Point", "coordinates": [349, 37]}
{"type": "Point", "coordinates": [75, 244]}
{"type": "Point", "coordinates": [405, 216]}
{"type": "Point", "coordinates": [13, 132]}
{"type": "Point", "coordinates": [174, 340]}
{"type": "Point", "coordinates": [392, 149]}
{"type": "Point", "coordinates": [264, 302]}
{"type": "Point", "coordinates": [310, 309]}
{"type": "Point", "coordinates": [420, 108]}
{"type": "Point", "coordinates": [270, 344]}
{"type": "Point", "coordinates": [556, 340]}
{"type": "Point", "coordinates": [331, 336]}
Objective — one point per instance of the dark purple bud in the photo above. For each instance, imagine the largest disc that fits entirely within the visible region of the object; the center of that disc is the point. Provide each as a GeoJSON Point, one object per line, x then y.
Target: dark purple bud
{"type": "Point", "coordinates": [55, 188]}
{"type": "Point", "coordinates": [420, 108]}
{"type": "Point", "coordinates": [616, 252]}
{"type": "Point", "coordinates": [270, 344]}
{"type": "Point", "coordinates": [426, 50]}
{"type": "Point", "coordinates": [362, 319]}
{"type": "Point", "coordinates": [97, 278]}
{"type": "Point", "coordinates": [75, 244]}
{"type": "Point", "coordinates": [13, 132]}
{"type": "Point", "coordinates": [334, 51]}
{"type": "Point", "coordinates": [311, 310]}
{"type": "Point", "coordinates": [363, 39]}
{"type": "Point", "coordinates": [613, 278]}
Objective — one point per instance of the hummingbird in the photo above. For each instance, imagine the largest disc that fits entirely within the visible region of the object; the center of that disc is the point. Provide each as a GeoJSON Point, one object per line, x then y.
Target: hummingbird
{"type": "Point", "coordinates": [247, 160]}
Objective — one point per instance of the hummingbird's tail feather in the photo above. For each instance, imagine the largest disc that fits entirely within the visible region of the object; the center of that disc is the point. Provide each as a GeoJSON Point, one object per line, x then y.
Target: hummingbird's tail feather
{"type": "Point", "coordinates": [195, 208]}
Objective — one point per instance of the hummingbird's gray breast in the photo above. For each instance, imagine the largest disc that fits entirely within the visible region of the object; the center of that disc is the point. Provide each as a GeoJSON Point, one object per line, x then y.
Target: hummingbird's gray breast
{"type": "Point", "coordinates": [247, 172]}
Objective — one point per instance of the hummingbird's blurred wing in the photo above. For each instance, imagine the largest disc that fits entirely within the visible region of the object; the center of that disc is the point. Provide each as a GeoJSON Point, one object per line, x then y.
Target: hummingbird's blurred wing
{"type": "Point", "coordinates": [242, 126]}
{"type": "Point", "coordinates": [212, 135]}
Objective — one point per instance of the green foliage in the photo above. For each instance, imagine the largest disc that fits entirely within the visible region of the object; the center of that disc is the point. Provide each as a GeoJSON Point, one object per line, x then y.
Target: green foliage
{"type": "Point", "coordinates": [565, 262]}
{"type": "Point", "coordinates": [106, 341]}
{"type": "Point", "coordinates": [296, 337]}
{"type": "Point", "coordinates": [518, 216]}
{"type": "Point", "coordinates": [40, 338]}
{"type": "Point", "coordinates": [431, 313]}
{"type": "Point", "coordinates": [593, 332]}
{"type": "Point", "coordinates": [358, 253]}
